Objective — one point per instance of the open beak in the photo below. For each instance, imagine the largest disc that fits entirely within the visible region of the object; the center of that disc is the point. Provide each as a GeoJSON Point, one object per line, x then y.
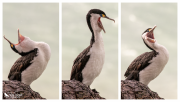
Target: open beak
{"type": "Point", "coordinates": [11, 45]}
{"type": "Point", "coordinates": [20, 37]}
{"type": "Point", "coordinates": [8, 40]}
{"type": "Point", "coordinates": [100, 23]}
{"type": "Point", "coordinates": [153, 28]}
{"type": "Point", "coordinates": [150, 35]}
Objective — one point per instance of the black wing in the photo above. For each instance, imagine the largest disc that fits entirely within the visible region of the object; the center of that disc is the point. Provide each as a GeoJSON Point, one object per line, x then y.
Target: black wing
{"type": "Point", "coordinates": [21, 64]}
{"type": "Point", "coordinates": [141, 62]}
{"type": "Point", "coordinates": [79, 64]}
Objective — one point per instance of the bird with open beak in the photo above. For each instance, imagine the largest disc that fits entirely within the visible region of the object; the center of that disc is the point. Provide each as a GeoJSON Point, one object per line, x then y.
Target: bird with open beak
{"type": "Point", "coordinates": [89, 63]}
{"type": "Point", "coordinates": [33, 60]}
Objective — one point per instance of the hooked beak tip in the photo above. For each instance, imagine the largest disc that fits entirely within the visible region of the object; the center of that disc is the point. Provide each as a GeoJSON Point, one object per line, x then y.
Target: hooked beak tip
{"type": "Point", "coordinates": [18, 32]}
{"type": "Point", "coordinates": [114, 20]}
{"type": "Point", "coordinates": [153, 28]}
{"type": "Point", "coordinates": [7, 40]}
{"type": "Point", "coordinates": [110, 19]}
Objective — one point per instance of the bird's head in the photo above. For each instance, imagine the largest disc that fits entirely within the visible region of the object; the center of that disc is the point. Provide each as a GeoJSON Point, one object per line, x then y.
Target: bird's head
{"type": "Point", "coordinates": [94, 19]}
{"type": "Point", "coordinates": [24, 45]}
{"type": "Point", "coordinates": [148, 37]}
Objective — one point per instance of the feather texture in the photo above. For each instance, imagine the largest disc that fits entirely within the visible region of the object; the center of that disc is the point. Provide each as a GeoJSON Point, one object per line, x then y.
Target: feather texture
{"type": "Point", "coordinates": [141, 62]}
{"type": "Point", "coordinates": [21, 64]}
{"type": "Point", "coordinates": [79, 64]}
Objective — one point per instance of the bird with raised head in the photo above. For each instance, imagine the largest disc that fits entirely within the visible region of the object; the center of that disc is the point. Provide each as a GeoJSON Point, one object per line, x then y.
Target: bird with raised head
{"type": "Point", "coordinates": [33, 61]}
{"type": "Point", "coordinates": [148, 65]}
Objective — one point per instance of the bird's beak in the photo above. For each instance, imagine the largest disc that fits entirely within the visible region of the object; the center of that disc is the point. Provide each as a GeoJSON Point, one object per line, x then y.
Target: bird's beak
{"type": "Point", "coordinates": [8, 40]}
{"type": "Point", "coordinates": [150, 35]}
{"type": "Point", "coordinates": [20, 37]}
{"type": "Point", "coordinates": [153, 28]}
{"type": "Point", "coordinates": [110, 19]}
{"type": "Point", "coordinates": [100, 24]}
{"type": "Point", "coordinates": [11, 45]}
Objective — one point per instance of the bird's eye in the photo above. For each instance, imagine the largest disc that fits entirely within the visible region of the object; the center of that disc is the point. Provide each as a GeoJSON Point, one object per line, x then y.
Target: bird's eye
{"type": "Point", "coordinates": [12, 45]}
{"type": "Point", "coordinates": [102, 15]}
{"type": "Point", "coordinates": [149, 30]}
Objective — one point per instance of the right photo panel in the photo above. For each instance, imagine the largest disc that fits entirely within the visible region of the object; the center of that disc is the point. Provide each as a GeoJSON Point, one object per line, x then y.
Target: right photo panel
{"type": "Point", "coordinates": [148, 50]}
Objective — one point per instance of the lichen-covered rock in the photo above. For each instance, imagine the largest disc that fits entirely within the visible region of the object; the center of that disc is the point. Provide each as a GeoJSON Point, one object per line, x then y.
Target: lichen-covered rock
{"type": "Point", "coordinates": [131, 89]}
{"type": "Point", "coordinates": [72, 89]}
{"type": "Point", "coordinates": [16, 90]}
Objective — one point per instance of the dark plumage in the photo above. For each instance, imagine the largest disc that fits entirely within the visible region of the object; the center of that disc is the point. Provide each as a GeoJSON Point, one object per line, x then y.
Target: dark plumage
{"type": "Point", "coordinates": [21, 64]}
{"type": "Point", "coordinates": [141, 62]}
{"type": "Point", "coordinates": [148, 65]}
{"type": "Point", "coordinates": [79, 63]}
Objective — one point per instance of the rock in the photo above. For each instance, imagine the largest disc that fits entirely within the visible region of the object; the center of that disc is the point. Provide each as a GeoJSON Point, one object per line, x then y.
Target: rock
{"type": "Point", "coordinates": [132, 89]}
{"type": "Point", "coordinates": [16, 90]}
{"type": "Point", "coordinates": [72, 89]}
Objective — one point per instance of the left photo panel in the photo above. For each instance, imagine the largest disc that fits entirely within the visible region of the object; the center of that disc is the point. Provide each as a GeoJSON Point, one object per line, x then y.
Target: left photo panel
{"type": "Point", "coordinates": [30, 50]}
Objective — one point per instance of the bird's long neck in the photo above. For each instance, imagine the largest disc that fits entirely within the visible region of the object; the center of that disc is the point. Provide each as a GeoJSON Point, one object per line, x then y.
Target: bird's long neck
{"type": "Point", "coordinates": [92, 39]}
{"type": "Point", "coordinates": [98, 40]}
{"type": "Point", "coordinates": [44, 48]}
{"type": "Point", "coordinates": [161, 48]}
{"type": "Point", "coordinates": [96, 35]}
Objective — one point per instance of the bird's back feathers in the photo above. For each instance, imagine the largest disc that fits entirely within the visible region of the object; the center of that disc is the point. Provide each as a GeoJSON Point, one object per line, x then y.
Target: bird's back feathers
{"type": "Point", "coordinates": [79, 64]}
{"type": "Point", "coordinates": [21, 64]}
{"type": "Point", "coordinates": [141, 62]}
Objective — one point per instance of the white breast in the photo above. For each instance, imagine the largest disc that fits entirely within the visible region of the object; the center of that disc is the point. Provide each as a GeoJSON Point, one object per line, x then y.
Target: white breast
{"type": "Point", "coordinates": [38, 64]}
{"type": "Point", "coordinates": [157, 65]}
{"type": "Point", "coordinates": [95, 63]}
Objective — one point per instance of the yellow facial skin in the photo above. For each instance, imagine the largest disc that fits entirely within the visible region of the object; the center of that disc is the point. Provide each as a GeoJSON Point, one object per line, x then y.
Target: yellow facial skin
{"type": "Point", "coordinates": [11, 45]}
{"type": "Point", "coordinates": [103, 15]}
{"type": "Point", "coordinates": [149, 30]}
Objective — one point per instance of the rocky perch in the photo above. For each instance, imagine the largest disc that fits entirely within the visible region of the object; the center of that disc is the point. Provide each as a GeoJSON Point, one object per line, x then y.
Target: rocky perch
{"type": "Point", "coordinates": [16, 90]}
{"type": "Point", "coordinates": [72, 89]}
{"type": "Point", "coordinates": [131, 89]}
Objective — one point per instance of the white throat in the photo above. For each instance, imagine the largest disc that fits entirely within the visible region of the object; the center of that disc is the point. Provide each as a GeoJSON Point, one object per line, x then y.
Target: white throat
{"type": "Point", "coordinates": [94, 18]}
{"type": "Point", "coordinates": [96, 29]}
{"type": "Point", "coordinates": [96, 60]}
{"type": "Point", "coordinates": [97, 55]}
